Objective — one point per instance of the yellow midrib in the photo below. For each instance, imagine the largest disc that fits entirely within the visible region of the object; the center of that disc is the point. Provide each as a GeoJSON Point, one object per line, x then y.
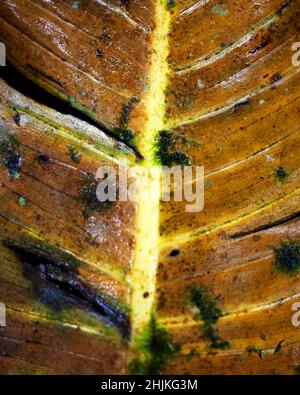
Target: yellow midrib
{"type": "Point", "coordinates": [143, 278]}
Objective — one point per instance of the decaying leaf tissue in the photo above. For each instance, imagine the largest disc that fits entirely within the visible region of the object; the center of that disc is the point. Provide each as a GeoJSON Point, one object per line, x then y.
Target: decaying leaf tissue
{"type": "Point", "coordinates": [143, 286]}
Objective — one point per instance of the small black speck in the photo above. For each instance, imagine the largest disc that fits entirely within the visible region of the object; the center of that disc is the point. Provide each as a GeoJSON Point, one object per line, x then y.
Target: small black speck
{"type": "Point", "coordinates": [99, 53]}
{"type": "Point", "coordinates": [42, 158]}
{"type": "Point", "coordinates": [17, 118]}
{"type": "Point", "coordinates": [174, 252]}
{"type": "Point", "coordinates": [275, 78]}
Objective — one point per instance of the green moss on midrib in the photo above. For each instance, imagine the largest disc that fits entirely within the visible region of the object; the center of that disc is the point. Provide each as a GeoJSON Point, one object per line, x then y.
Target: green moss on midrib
{"type": "Point", "coordinates": [155, 349]}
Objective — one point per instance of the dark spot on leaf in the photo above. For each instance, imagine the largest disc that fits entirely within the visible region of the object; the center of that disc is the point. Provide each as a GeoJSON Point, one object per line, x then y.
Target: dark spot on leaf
{"type": "Point", "coordinates": [274, 79]}
{"type": "Point", "coordinates": [17, 118]}
{"type": "Point", "coordinates": [42, 158]}
{"type": "Point", "coordinates": [281, 174]}
{"type": "Point", "coordinates": [174, 252]}
{"type": "Point", "coordinates": [287, 257]}
{"type": "Point", "coordinates": [99, 52]}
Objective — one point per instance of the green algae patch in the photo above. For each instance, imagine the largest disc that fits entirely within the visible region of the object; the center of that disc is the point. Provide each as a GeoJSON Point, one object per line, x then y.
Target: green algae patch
{"type": "Point", "coordinates": [209, 312]}
{"type": "Point", "coordinates": [127, 109]}
{"type": "Point", "coordinates": [10, 157]}
{"type": "Point", "coordinates": [166, 153]}
{"type": "Point", "coordinates": [156, 349]}
{"type": "Point", "coordinates": [22, 201]}
{"type": "Point", "coordinates": [125, 135]}
{"type": "Point", "coordinates": [123, 132]}
{"type": "Point", "coordinates": [220, 9]}
{"type": "Point", "coordinates": [72, 100]}
{"type": "Point", "coordinates": [88, 197]}
{"type": "Point", "coordinates": [281, 174]}
{"type": "Point", "coordinates": [287, 257]}
{"type": "Point", "coordinates": [76, 5]}
{"type": "Point", "coordinates": [171, 4]}
{"type": "Point", "coordinates": [74, 153]}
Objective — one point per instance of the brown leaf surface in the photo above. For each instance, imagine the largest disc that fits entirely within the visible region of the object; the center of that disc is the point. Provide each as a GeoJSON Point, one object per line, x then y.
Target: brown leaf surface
{"type": "Point", "coordinates": [218, 76]}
